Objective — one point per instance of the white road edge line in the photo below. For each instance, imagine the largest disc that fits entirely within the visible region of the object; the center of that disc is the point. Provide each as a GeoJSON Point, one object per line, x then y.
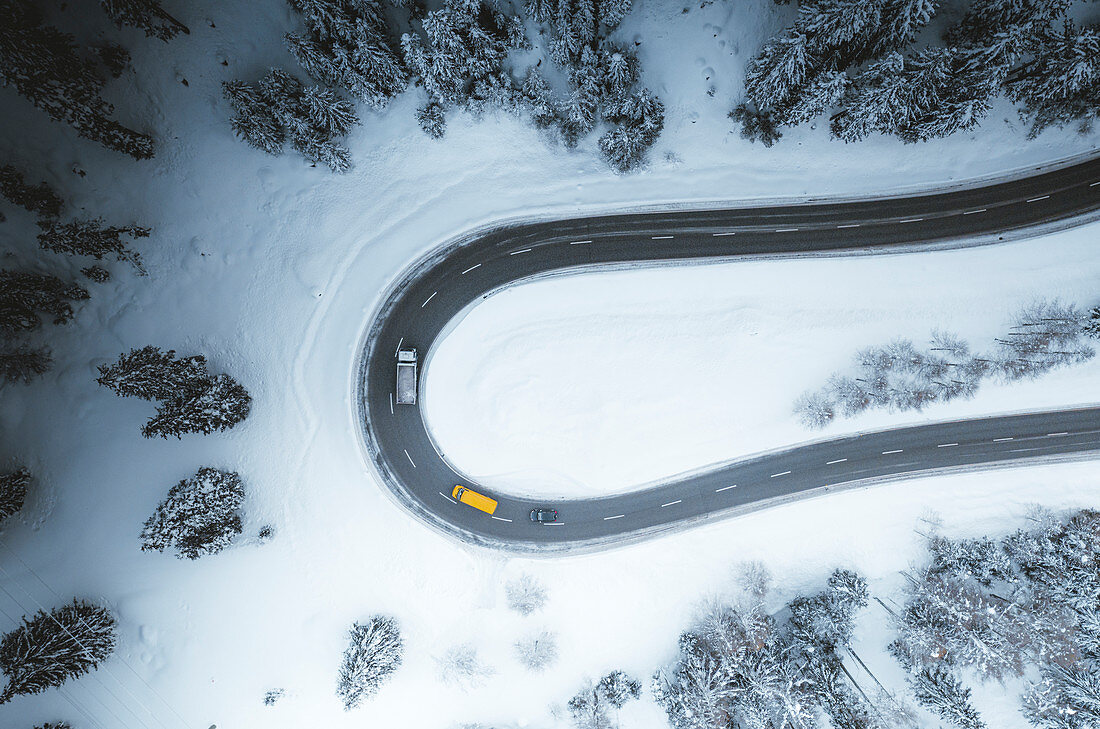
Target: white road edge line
{"type": "Point", "coordinates": [725, 488]}
{"type": "Point", "coordinates": [428, 299]}
{"type": "Point", "coordinates": [716, 235]}
{"type": "Point", "coordinates": [973, 212]}
{"type": "Point", "coordinates": [516, 253]}
{"type": "Point", "coordinates": [660, 237]}
{"type": "Point", "coordinates": [886, 453]}
{"type": "Point", "coordinates": [391, 403]}
{"type": "Point", "coordinates": [671, 503]}
{"type": "Point", "coordinates": [409, 457]}
{"type": "Point", "coordinates": [850, 225]}
{"type": "Point", "coordinates": [1055, 435]}
{"type": "Point", "coordinates": [839, 460]}
{"type": "Point", "coordinates": [1001, 440]}
{"type": "Point", "coordinates": [1037, 199]}
{"type": "Point", "coordinates": [579, 242]}
{"type": "Point", "coordinates": [784, 473]}
{"type": "Point", "coordinates": [911, 220]}
{"type": "Point", "coordinates": [448, 498]}
{"type": "Point", "coordinates": [946, 445]}
{"type": "Point", "coordinates": [618, 516]}
{"type": "Point", "coordinates": [500, 518]}
{"type": "Point", "coordinates": [471, 268]}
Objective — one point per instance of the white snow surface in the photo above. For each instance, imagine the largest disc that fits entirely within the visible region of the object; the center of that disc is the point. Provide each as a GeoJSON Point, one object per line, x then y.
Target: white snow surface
{"type": "Point", "coordinates": [270, 268]}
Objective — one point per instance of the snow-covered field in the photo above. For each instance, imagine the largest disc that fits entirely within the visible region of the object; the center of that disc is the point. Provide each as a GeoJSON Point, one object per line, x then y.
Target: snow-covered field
{"type": "Point", "coordinates": [270, 267]}
{"type": "Point", "coordinates": [598, 383]}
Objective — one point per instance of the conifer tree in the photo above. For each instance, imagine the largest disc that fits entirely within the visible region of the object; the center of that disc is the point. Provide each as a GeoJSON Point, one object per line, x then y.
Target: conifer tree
{"type": "Point", "coordinates": [13, 492]}
{"type": "Point", "coordinates": [219, 406]}
{"type": "Point", "coordinates": [50, 648]}
{"type": "Point", "coordinates": [24, 294]}
{"type": "Point", "coordinates": [152, 374]}
{"type": "Point", "coordinates": [146, 15]}
{"type": "Point", "coordinates": [24, 364]}
{"type": "Point", "coordinates": [200, 516]}
{"type": "Point", "coordinates": [43, 65]}
{"type": "Point", "coordinates": [91, 238]}
{"type": "Point", "coordinates": [39, 199]}
{"type": "Point", "coordinates": [940, 692]}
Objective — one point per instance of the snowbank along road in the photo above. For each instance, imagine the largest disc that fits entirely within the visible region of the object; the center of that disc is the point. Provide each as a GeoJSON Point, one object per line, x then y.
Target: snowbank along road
{"type": "Point", "coordinates": [436, 289]}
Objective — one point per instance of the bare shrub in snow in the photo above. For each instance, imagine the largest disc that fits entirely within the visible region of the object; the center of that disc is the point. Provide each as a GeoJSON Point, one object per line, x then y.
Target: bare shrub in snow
{"type": "Point", "coordinates": [375, 651]}
{"type": "Point", "coordinates": [596, 705]}
{"type": "Point", "coordinates": [13, 492]}
{"type": "Point", "coordinates": [55, 725]}
{"type": "Point", "coordinates": [1044, 335]}
{"type": "Point", "coordinates": [537, 651]}
{"type": "Point", "coordinates": [754, 580]}
{"type": "Point", "coordinates": [525, 594]}
{"type": "Point", "coordinates": [273, 696]}
{"type": "Point", "coordinates": [200, 516]}
{"type": "Point", "coordinates": [815, 409]}
{"type": "Point", "coordinates": [50, 648]}
{"type": "Point", "coordinates": [460, 666]}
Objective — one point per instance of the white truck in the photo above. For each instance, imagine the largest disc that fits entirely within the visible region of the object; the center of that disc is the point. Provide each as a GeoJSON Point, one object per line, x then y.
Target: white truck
{"type": "Point", "coordinates": [406, 377]}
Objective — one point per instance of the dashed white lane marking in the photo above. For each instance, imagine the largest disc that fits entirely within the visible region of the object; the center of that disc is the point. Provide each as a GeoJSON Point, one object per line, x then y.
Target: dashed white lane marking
{"type": "Point", "coordinates": [839, 460]}
{"type": "Point", "coordinates": [554, 523]}
{"type": "Point", "coordinates": [501, 518]}
{"type": "Point", "coordinates": [1094, 184]}
{"type": "Point", "coordinates": [786, 230]}
{"type": "Point", "coordinates": [617, 516]}
{"type": "Point", "coordinates": [391, 403]}
{"type": "Point", "coordinates": [1055, 435]}
{"type": "Point", "coordinates": [973, 212]}
{"type": "Point", "coordinates": [899, 450]}
{"type": "Point", "coordinates": [409, 457]}
{"type": "Point", "coordinates": [448, 498]}
{"type": "Point", "coordinates": [516, 253]}
{"type": "Point", "coordinates": [428, 299]}
{"type": "Point", "coordinates": [911, 220]}
{"type": "Point", "coordinates": [399, 343]}
{"type": "Point", "coordinates": [660, 237]}
{"type": "Point", "coordinates": [1001, 440]}
{"type": "Point", "coordinates": [1037, 199]}
{"type": "Point", "coordinates": [784, 473]}
{"type": "Point", "coordinates": [718, 235]}
{"type": "Point", "coordinates": [471, 268]}
{"type": "Point", "coordinates": [725, 488]}
{"type": "Point", "coordinates": [850, 225]}
{"type": "Point", "coordinates": [946, 445]}
{"type": "Point", "coordinates": [579, 242]}
{"type": "Point", "coordinates": [671, 503]}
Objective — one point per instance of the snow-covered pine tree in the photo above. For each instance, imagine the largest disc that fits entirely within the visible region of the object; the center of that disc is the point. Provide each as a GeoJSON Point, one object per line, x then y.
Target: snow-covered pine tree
{"type": "Point", "coordinates": [91, 238]}
{"type": "Point", "coordinates": [640, 118]}
{"type": "Point", "coordinates": [253, 119]}
{"type": "Point", "coordinates": [50, 648]}
{"type": "Point", "coordinates": [594, 706]}
{"type": "Point", "coordinates": [43, 65]}
{"type": "Point", "coordinates": [782, 66]}
{"type": "Point", "coordinates": [13, 491]}
{"type": "Point", "coordinates": [980, 559]}
{"type": "Point", "coordinates": [374, 652]}
{"type": "Point", "coordinates": [1065, 697]}
{"type": "Point", "coordinates": [940, 692]}
{"type": "Point", "coordinates": [349, 45]}
{"type": "Point", "coordinates": [114, 58]}
{"type": "Point", "coordinates": [200, 516]}
{"type": "Point", "coordinates": [616, 688]}
{"type": "Point", "coordinates": [153, 374]}
{"type": "Point", "coordinates": [24, 363]}
{"type": "Point", "coordinates": [39, 199]}
{"type": "Point", "coordinates": [23, 294]}
{"type": "Point", "coordinates": [538, 99]}
{"type": "Point", "coordinates": [1062, 83]}
{"type": "Point", "coordinates": [756, 124]}
{"type": "Point", "coordinates": [145, 15]}
{"type": "Point", "coordinates": [431, 119]}
{"type": "Point", "coordinates": [219, 406]}
{"type": "Point", "coordinates": [95, 273]}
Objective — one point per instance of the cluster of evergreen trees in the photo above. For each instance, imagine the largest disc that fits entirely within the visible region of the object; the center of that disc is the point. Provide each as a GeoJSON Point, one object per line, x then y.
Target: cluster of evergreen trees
{"type": "Point", "coordinates": [190, 399]}
{"type": "Point", "coordinates": [1025, 605]}
{"type": "Point", "coordinates": [900, 376]}
{"type": "Point", "coordinates": [854, 58]}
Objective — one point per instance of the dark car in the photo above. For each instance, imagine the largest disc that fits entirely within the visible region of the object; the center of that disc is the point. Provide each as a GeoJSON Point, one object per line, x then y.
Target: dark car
{"type": "Point", "coordinates": [542, 516]}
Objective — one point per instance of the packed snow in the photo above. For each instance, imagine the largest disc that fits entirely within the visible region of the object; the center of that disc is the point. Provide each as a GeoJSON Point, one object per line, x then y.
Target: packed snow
{"type": "Point", "coordinates": [270, 268]}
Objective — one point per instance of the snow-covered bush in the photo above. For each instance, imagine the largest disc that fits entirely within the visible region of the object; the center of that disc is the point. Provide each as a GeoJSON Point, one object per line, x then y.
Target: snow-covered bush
{"type": "Point", "coordinates": [13, 492]}
{"type": "Point", "coordinates": [375, 651]}
{"type": "Point", "coordinates": [50, 648]}
{"type": "Point", "coordinates": [201, 515]}
{"type": "Point", "coordinates": [525, 594]}
{"type": "Point", "coordinates": [191, 401]}
{"type": "Point", "coordinates": [537, 651]}
{"type": "Point", "coordinates": [596, 705]}
{"type": "Point", "coordinates": [273, 696]}
{"type": "Point", "coordinates": [460, 666]}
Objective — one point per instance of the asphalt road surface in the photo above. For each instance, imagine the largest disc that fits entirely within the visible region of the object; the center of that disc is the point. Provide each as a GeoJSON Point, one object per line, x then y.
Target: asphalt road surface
{"type": "Point", "coordinates": [437, 288]}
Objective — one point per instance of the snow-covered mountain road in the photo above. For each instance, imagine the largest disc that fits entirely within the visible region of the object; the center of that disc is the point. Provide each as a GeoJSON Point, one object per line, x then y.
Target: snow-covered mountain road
{"type": "Point", "coordinates": [432, 294]}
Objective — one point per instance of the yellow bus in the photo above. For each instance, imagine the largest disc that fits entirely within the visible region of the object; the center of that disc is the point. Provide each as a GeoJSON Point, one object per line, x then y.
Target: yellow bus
{"type": "Point", "coordinates": [474, 499]}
